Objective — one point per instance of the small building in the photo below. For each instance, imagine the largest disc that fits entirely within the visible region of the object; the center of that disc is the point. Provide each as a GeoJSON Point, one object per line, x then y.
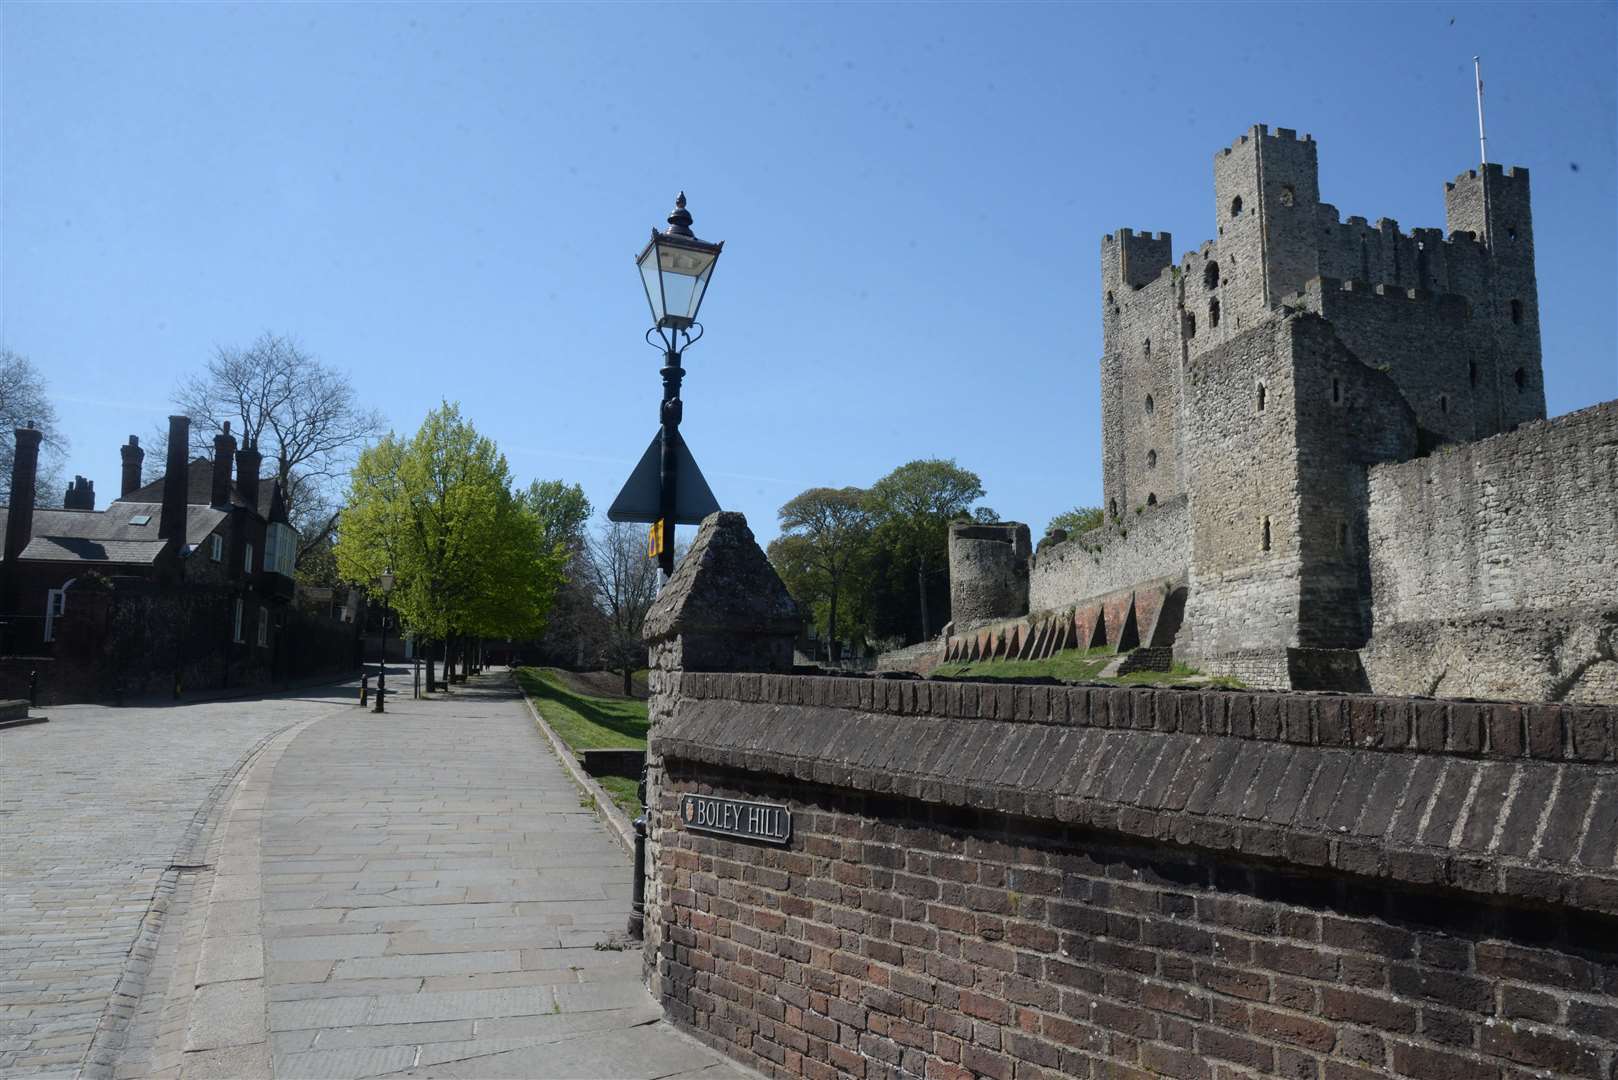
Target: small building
{"type": "Point", "coordinates": [182, 582]}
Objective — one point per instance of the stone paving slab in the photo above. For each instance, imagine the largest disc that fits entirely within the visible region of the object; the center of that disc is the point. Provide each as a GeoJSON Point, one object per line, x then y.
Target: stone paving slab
{"type": "Point", "coordinates": [94, 808]}
{"type": "Point", "coordinates": [437, 902]}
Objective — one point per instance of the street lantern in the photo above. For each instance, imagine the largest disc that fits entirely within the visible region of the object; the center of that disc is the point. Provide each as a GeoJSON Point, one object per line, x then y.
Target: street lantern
{"type": "Point", "coordinates": [675, 268]}
{"type": "Point", "coordinates": [386, 581]}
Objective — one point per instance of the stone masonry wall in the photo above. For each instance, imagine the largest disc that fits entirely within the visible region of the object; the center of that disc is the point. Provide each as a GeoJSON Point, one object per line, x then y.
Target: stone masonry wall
{"type": "Point", "coordinates": [1141, 547]}
{"type": "Point", "coordinates": [1493, 567]}
{"type": "Point", "coordinates": [1027, 881]}
{"type": "Point", "coordinates": [988, 571]}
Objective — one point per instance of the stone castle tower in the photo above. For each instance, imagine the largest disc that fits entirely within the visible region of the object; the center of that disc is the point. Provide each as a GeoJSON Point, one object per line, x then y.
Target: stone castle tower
{"type": "Point", "coordinates": [1275, 409]}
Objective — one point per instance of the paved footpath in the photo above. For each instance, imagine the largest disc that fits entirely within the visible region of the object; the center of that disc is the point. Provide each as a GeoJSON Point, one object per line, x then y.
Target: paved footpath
{"type": "Point", "coordinates": [95, 807]}
{"type": "Point", "coordinates": [433, 900]}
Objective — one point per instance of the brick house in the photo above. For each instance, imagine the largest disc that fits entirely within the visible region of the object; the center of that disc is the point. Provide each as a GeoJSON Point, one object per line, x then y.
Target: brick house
{"type": "Point", "coordinates": [185, 581]}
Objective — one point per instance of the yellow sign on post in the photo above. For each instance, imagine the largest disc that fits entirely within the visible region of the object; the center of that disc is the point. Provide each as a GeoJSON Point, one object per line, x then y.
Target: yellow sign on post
{"type": "Point", "coordinates": [654, 540]}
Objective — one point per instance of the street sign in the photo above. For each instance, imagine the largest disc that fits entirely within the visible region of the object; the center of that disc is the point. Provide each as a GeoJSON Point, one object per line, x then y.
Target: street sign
{"type": "Point", "coordinates": [654, 540]}
{"type": "Point", "coordinates": [640, 499]}
{"type": "Point", "coordinates": [744, 820]}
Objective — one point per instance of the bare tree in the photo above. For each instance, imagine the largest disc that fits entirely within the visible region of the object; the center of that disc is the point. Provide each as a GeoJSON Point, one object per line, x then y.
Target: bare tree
{"type": "Point", "coordinates": [23, 401]}
{"type": "Point", "coordinates": [301, 414]}
{"type": "Point", "coordinates": [625, 584]}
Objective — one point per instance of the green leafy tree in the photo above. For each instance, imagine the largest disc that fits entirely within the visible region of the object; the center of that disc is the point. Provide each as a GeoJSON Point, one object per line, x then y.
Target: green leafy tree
{"type": "Point", "coordinates": [467, 552]}
{"type": "Point", "coordinates": [825, 534]}
{"type": "Point", "coordinates": [912, 507]}
{"type": "Point", "coordinates": [574, 631]}
{"type": "Point", "coordinates": [1080, 519]}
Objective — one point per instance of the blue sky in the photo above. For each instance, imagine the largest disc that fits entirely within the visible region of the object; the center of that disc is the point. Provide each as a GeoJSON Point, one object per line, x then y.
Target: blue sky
{"type": "Point", "coordinates": [445, 201]}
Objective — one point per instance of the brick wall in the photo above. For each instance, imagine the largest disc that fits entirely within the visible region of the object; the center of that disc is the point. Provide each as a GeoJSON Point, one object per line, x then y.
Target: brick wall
{"type": "Point", "coordinates": [1024, 881]}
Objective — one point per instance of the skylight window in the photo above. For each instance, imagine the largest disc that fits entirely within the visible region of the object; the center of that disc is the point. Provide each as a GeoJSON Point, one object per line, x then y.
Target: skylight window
{"type": "Point", "coordinates": [141, 519]}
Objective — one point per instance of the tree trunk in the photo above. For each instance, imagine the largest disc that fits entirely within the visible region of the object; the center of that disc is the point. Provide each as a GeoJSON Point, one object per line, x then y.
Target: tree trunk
{"type": "Point", "coordinates": [629, 684]}
{"type": "Point", "coordinates": [831, 629]}
{"type": "Point", "coordinates": [921, 586]}
{"type": "Point", "coordinates": [430, 686]}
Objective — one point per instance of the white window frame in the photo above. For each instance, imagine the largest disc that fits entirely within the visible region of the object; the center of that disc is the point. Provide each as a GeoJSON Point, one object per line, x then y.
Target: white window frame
{"type": "Point", "coordinates": [216, 548]}
{"type": "Point", "coordinates": [236, 635]}
{"type": "Point", "coordinates": [55, 608]}
{"type": "Point", "coordinates": [247, 560]}
{"type": "Point", "coordinates": [263, 627]}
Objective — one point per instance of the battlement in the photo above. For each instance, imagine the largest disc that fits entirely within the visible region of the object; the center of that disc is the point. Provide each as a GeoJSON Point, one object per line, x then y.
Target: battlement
{"type": "Point", "coordinates": [1514, 172]}
{"type": "Point", "coordinates": [1451, 305]}
{"type": "Point", "coordinates": [1124, 236]}
{"type": "Point", "coordinates": [1135, 259]}
{"type": "Point", "coordinates": [1262, 131]}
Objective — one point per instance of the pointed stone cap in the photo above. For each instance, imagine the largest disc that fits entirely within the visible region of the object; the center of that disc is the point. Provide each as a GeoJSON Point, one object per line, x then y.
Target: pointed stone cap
{"type": "Point", "coordinates": [725, 585]}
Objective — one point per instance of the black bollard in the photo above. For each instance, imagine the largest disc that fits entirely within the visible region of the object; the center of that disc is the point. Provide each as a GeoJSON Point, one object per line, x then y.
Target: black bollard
{"type": "Point", "coordinates": [381, 687]}
{"type": "Point", "coordinates": [637, 887]}
{"type": "Point", "coordinates": [365, 688]}
{"type": "Point", "coordinates": [33, 689]}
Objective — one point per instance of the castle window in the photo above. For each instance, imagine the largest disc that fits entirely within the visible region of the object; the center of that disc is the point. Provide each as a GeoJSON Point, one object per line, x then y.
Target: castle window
{"type": "Point", "coordinates": [1342, 536]}
{"type": "Point", "coordinates": [1336, 391]}
{"type": "Point", "coordinates": [1516, 312]}
{"type": "Point", "coordinates": [1520, 377]}
{"type": "Point", "coordinates": [1266, 539]}
{"type": "Point", "coordinates": [1151, 499]}
{"type": "Point", "coordinates": [1236, 206]}
{"type": "Point", "coordinates": [1288, 195]}
{"type": "Point", "coordinates": [1151, 459]}
{"type": "Point", "coordinates": [1112, 507]}
{"type": "Point", "coordinates": [1261, 396]}
{"type": "Point", "coordinates": [1213, 312]}
{"type": "Point", "coordinates": [1472, 372]}
{"type": "Point", "coordinates": [1151, 406]}
{"type": "Point", "coordinates": [1190, 325]}
{"type": "Point", "coordinates": [1146, 347]}
{"type": "Point", "coordinates": [1443, 403]}
{"type": "Point", "coordinates": [1210, 276]}
{"type": "Point", "coordinates": [1109, 298]}
{"type": "Point", "coordinates": [1511, 232]}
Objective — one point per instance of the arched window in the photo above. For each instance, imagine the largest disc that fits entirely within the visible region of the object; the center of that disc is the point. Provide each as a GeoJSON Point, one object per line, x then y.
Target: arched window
{"type": "Point", "coordinates": [1443, 403]}
{"type": "Point", "coordinates": [1146, 347]}
{"type": "Point", "coordinates": [1261, 396]}
{"type": "Point", "coordinates": [1190, 325]}
{"type": "Point", "coordinates": [1112, 507]}
{"type": "Point", "coordinates": [1109, 298]}
{"type": "Point", "coordinates": [1266, 539]}
{"type": "Point", "coordinates": [1213, 312]}
{"type": "Point", "coordinates": [1289, 195]}
{"type": "Point", "coordinates": [1516, 312]}
{"type": "Point", "coordinates": [1210, 276]}
{"type": "Point", "coordinates": [1520, 377]}
{"type": "Point", "coordinates": [1236, 206]}
{"type": "Point", "coordinates": [1151, 406]}
{"type": "Point", "coordinates": [1151, 459]}
{"type": "Point", "coordinates": [1151, 499]}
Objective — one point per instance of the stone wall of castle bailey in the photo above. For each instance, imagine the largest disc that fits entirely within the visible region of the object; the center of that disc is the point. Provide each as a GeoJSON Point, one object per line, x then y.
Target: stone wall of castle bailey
{"type": "Point", "coordinates": [1143, 359]}
{"type": "Point", "coordinates": [1521, 524]}
{"type": "Point", "coordinates": [988, 571]}
{"type": "Point", "coordinates": [1150, 545]}
{"type": "Point", "coordinates": [1032, 881]}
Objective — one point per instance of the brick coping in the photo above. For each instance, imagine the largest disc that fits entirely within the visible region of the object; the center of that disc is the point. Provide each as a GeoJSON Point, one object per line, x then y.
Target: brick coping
{"type": "Point", "coordinates": [1489, 729]}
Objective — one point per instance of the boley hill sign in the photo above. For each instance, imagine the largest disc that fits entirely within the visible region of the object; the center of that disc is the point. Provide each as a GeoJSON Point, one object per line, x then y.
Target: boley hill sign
{"type": "Point", "coordinates": [734, 817]}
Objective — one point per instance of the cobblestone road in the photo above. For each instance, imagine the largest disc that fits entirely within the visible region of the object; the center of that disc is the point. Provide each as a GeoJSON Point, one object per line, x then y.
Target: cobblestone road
{"type": "Point", "coordinates": [94, 807]}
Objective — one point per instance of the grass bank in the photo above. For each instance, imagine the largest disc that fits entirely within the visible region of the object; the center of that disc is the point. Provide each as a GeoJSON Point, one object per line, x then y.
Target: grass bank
{"type": "Point", "coordinates": [588, 722]}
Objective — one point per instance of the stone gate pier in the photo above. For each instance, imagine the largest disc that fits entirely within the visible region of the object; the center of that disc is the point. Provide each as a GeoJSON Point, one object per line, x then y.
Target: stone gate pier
{"type": "Point", "coordinates": [1027, 880]}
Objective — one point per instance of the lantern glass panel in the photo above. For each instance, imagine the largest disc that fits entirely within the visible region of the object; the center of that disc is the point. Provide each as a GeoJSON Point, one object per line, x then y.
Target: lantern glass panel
{"type": "Point", "coordinates": [685, 277]}
{"type": "Point", "coordinates": [653, 282]}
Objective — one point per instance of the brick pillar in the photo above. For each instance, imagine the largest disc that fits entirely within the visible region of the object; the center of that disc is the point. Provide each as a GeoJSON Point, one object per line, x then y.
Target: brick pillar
{"type": "Point", "coordinates": [723, 609]}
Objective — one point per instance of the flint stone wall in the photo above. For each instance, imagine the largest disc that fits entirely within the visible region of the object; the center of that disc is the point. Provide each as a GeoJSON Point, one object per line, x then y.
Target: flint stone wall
{"type": "Point", "coordinates": [1494, 565]}
{"type": "Point", "coordinates": [1030, 881]}
{"type": "Point", "coordinates": [1142, 547]}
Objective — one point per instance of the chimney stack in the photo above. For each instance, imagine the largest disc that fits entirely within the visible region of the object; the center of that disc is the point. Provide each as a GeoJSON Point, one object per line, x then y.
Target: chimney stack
{"type": "Point", "coordinates": [20, 519]}
{"type": "Point", "coordinates": [247, 462]}
{"type": "Point", "coordinates": [176, 480]}
{"type": "Point", "coordinates": [81, 495]}
{"type": "Point", "coordinates": [133, 455]}
{"type": "Point", "coordinates": [224, 446]}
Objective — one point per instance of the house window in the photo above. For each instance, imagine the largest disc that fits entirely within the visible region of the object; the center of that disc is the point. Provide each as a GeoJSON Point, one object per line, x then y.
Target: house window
{"type": "Point", "coordinates": [280, 549]}
{"type": "Point", "coordinates": [55, 607]}
{"type": "Point", "coordinates": [247, 560]}
{"type": "Point", "coordinates": [236, 626]}
{"type": "Point", "coordinates": [263, 627]}
{"type": "Point", "coordinates": [216, 547]}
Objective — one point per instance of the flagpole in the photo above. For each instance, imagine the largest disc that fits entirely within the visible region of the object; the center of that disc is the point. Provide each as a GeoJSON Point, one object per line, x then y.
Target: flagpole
{"type": "Point", "coordinates": [1483, 142]}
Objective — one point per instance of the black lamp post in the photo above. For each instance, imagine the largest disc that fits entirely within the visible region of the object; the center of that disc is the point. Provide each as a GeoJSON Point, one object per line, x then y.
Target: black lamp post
{"type": "Point", "coordinates": [675, 269]}
{"type": "Point", "coordinates": [386, 582]}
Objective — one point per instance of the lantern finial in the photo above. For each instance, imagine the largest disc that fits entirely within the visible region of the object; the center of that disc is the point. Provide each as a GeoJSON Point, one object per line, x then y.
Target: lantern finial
{"type": "Point", "coordinates": [680, 218]}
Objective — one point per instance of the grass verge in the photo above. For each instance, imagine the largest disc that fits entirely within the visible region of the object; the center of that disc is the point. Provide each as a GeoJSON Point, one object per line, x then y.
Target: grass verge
{"type": "Point", "coordinates": [585, 722]}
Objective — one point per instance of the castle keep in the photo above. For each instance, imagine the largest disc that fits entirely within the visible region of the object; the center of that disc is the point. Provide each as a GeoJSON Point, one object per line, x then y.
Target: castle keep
{"type": "Point", "coordinates": [1326, 461]}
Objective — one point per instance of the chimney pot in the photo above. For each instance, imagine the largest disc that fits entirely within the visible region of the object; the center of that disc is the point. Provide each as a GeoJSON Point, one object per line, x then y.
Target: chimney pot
{"type": "Point", "coordinates": [223, 448]}
{"type": "Point", "coordinates": [132, 456]}
{"type": "Point", "coordinates": [176, 480]}
{"type": "Point", "coordinates": [248, 460]}
{"type": "Point", "coordinates": [20, 517]}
